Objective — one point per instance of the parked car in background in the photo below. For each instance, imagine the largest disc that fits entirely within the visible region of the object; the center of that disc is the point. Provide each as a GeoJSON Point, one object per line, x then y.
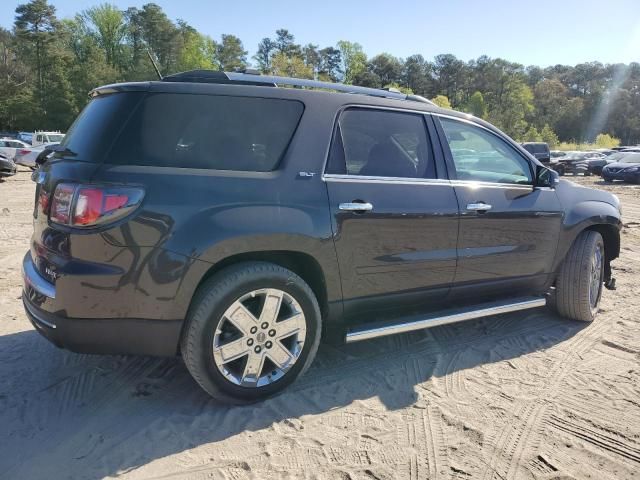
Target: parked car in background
{"type": "Point", "coordinates": [27, 156]}
{"type": "Point", "coordinates": [7, 167]}
{"type": "Point", "coordinates": [26, 137]}
{"type": "Point", "coordinates": [214, 216]}
{"type": "Point", "coordinates": [605, 151]}
{"type": "Point", "coordinates": [43, 138]}
{"type": "Point", "coordinates": [9, 147]}
{"type": "Point", "coordinates": [625, 166]}
{"type": "Point", "coordinates": [557, 153]}
{"type": "Point", "coordinates": [540, 150]}
{"type": "Point", "coordinates": [575, 162]}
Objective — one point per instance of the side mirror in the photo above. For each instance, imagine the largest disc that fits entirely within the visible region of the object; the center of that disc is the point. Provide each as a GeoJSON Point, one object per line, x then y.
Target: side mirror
{"type": "Point", "coordinates": [545, 177]}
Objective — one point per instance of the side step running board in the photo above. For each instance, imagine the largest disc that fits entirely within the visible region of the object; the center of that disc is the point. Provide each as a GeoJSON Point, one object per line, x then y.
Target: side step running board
{"type": "Point", "coordinates": [409, 324]}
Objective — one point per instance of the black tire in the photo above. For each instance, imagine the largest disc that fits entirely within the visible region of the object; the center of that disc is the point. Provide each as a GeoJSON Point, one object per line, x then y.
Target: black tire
{"type": "Point", "coordinates": [210, 303]}
{"type": "Point", "coordinates": [573, 297]}
{"type": "Point", "coordinates": [560, 171]}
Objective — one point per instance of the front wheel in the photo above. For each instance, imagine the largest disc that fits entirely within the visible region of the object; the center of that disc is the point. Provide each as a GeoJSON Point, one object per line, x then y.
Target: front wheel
{"type": "Point", "coordinates": [253, 328]}
{"type": "Point", "coordinates": [579, 285]}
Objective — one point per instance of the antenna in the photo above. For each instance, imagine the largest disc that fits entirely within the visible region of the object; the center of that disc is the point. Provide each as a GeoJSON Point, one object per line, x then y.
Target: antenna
{"type": "Point", "coordinates": [153, 62]}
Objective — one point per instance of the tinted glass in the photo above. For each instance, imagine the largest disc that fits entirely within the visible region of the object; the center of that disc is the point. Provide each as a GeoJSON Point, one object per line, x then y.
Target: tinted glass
{"type": "Point", "coordinates": [381, 144]}
{"type": "Point", "coordinates": [631, 158]}
{"type": "Point", "coordinates": [97, 126]}
{"type": "Point", "coordinates": [481, 156]}
{"type": "Point", "coordinates": [207, 131]}
{"type": "Point", "coordinates": [540, 148]}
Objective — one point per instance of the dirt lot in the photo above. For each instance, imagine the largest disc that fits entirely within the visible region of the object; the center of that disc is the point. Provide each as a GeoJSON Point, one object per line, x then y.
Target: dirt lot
{"type": "Point", "coordinates": [525, 395]}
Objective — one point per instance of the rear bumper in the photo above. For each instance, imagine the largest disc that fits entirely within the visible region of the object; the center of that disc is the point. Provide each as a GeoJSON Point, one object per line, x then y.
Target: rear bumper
{"type": "Point", "coordinates": [7, 171]}
{"type": "Point", "coordinates": [91, 335]}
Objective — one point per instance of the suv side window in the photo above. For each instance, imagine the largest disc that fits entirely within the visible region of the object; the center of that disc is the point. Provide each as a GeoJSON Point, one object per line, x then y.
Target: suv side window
{"type": "Point", "coordinates": [481, 156]}
{"type": "Point", "coordinates": [381, 143]}
{"type": "Point", "coordinates": [208, 132]}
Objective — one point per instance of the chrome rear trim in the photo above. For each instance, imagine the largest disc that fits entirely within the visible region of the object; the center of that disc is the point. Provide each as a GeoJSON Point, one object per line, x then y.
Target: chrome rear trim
{"type": "Point", "coordinates": [453, 316]}
{"type": "Point", "coordinates": [34, 279]}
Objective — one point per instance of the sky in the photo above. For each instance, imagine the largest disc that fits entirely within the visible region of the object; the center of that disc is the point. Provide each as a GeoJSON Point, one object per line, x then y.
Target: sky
{"type": "Point", "coordinates": [538, 32]}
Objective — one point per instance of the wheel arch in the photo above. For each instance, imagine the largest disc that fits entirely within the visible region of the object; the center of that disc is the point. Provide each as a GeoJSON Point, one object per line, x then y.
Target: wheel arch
{"type": "Point", "coordinates": [611, 237]}
{"type": "Point", "coordinates": [300, 263]}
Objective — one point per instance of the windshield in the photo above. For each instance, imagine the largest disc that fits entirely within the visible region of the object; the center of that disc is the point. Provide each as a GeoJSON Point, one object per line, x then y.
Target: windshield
{"type": "Point", "coordinates": [55, 137]}
{"type": "Point", "coordinates": [630, 158]}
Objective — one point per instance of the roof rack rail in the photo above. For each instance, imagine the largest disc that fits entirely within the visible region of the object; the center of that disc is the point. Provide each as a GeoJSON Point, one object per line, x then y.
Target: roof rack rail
{"type": "Point", "coordinates": [251, 77]}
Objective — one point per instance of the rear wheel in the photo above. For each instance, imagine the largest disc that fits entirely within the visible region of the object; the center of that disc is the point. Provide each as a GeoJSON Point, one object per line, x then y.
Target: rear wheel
{"type": "Point", "coordinates": [252, 330]}
{"type": "Point", "coordinates": [579, 285]}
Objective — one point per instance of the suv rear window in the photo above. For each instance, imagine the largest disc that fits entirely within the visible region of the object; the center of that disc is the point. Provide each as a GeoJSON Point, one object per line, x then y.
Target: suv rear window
{"type": "Point", "coordinates": [208, 131]}
{"type": "Point", "coordinates": [98, 124]}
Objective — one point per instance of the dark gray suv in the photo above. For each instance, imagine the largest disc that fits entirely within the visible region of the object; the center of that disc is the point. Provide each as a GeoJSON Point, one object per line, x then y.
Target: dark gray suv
{"type": "Point", "coordinates": [235, 222]}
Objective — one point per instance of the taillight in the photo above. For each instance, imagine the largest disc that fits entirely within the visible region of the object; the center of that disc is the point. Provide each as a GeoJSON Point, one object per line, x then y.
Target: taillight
{"type": "Point", "coordinates": [61, 204]}
{"type": "Point", "coordinates": [90, 205]}
{"type": "Point", "coordinates": [23, 152]}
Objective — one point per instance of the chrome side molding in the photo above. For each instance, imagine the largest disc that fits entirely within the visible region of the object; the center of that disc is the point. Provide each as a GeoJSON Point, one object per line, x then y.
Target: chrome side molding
{"type": "Point", "coordinates": [443, 318]}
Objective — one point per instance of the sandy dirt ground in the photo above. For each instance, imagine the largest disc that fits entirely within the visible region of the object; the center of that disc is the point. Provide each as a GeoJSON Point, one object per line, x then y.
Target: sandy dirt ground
{"type": "Point", "coordinates": [526, 395]}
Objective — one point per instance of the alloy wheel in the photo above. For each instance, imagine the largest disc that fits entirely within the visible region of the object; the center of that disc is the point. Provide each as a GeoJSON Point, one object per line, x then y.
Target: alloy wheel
{"type": "Point", "coordinates": [259, 338]}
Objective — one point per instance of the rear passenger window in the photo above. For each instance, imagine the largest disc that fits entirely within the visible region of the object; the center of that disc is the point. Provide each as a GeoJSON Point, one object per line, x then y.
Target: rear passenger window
{"type": "Point", "coordinates": [208, 131]}
{"type": "Point", "coordinates": [377, 143]}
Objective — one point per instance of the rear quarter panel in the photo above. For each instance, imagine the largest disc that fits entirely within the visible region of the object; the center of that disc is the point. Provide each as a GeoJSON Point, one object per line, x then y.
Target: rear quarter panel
{"type": "Point", "coordinates": [200, 217]}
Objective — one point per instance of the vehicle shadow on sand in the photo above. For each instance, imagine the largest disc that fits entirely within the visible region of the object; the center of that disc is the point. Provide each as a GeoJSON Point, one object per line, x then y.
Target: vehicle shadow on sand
{"type": "Point", "coordinates": [103, 416]}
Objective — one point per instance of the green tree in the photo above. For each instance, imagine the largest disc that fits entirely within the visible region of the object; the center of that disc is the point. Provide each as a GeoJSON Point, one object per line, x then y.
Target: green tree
{"type": "Point", "coordinates": [231, 54]}
{"type": "Point", "coordinates": [196, 52]}
{"type": "Point", "coordinates": [532, 135]}
{"type": "Point", "coordinates": [160, 35]}
{"type": "Point", "coordinates": [330, 63]}
{"type": "Point", "coordinates": [290, 66]}
{"type": "Point", "coordinates": [387, 68]}
{"type": "Point", "coordinates": [449, 73]}
{"type": "Point", "coordinates": [265, 51]}
{"type": "Point", "coordinates": [354, 60]}
{"type": "Point", "coordinates": [441, 101]}
{"type": "Point", "coordinates": [107, 25]}
{"type": "Point", "coordinates": [548, 136]}
{"type": "Point", "coordinates": [476, 105]}
{"type": "Point", "coordinates": [35, 26]}
{"type": "Point", "coordinates": [604, 140]}
{"type": "Point", "coordinates": [550, 99]}
{"type": "Point", "coordinates": [512, 106]}
{"type": "Point", "coordinates": [417, 75]}
{"type": "Point", "coordinates": [284, 43]}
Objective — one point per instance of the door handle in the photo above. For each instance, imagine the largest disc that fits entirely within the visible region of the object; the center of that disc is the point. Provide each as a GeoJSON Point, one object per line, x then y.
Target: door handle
{"type": "Point", "coordinates": [356, 207]}
{"type": "Point", "coordinates": [479, 207]}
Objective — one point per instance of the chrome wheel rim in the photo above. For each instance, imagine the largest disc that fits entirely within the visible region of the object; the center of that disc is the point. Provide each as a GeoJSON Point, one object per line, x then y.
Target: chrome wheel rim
{"type": "Point", "coordinates": [259, 338]}
{"type": "Point", "coordinates": [595, 285]}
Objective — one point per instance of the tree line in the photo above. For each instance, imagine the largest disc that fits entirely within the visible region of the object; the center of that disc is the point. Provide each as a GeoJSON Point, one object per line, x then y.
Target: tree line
{"type": "Point", "coordinates": [48, 65]}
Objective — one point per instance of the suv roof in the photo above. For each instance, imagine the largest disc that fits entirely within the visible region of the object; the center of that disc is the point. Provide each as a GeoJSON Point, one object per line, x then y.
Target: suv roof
{"type": "Point", "coordinates": [267, 86]}
{"type": "Point", "coordinates": [255, 79]}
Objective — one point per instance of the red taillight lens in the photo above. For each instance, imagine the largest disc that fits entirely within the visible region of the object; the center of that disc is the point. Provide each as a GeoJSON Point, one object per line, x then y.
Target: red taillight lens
{"type": "Point", "coordinates": [88, 206]}
{"type": "Point", "coordinates": [85, 206]}
{"type": "Point", "coordinates": [61, 204]}
{"type": "Point", "coordinates": [23, 152]}
{"type": "Point", "coordinates": [43, 200]}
